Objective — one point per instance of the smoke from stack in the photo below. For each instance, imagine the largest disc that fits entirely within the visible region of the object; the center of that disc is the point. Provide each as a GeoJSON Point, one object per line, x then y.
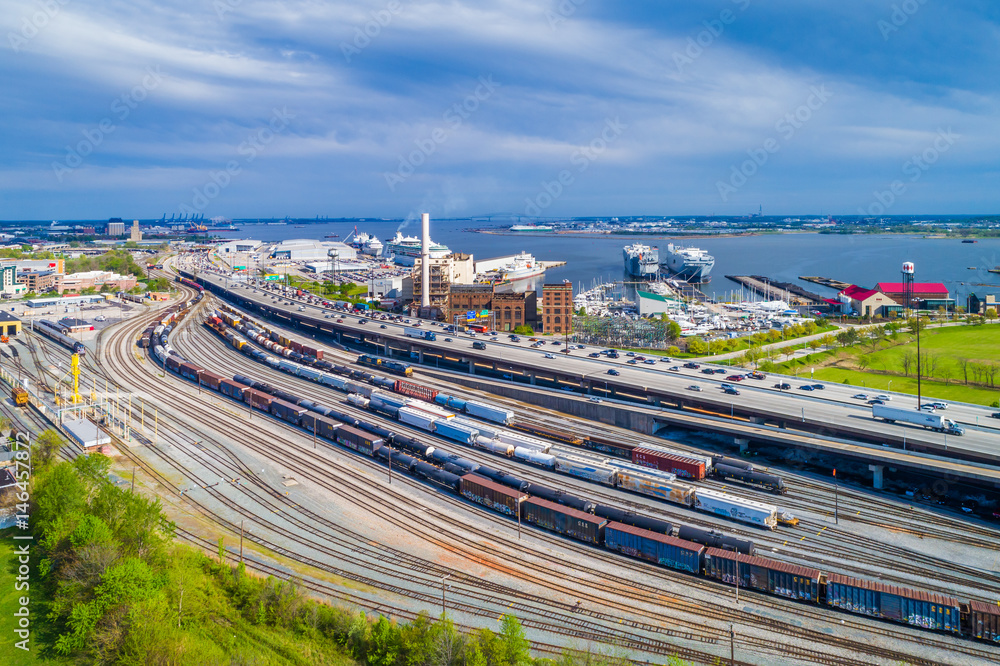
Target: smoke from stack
{"type": "Point", "coordinates": [425, 259]}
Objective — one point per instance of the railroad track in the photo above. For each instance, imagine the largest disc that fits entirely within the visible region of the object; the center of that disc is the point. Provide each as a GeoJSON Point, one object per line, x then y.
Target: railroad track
{"type": "Point", "coordinates": [214, 354]}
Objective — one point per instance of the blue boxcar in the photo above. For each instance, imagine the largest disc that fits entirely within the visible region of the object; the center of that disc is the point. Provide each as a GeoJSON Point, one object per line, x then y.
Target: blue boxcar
{"type": "Point", "coordinates": [653, 547]}
{"type": "Point", "coordinates": [899, 604]}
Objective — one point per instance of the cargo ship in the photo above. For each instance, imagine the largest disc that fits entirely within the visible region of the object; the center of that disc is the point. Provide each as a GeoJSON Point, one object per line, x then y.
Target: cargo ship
{"type": "Point", "coordinates": [529, 228]}
{"type": "Point", "coordinates": [641, 261]}
{"type": "Point", "coordinates": [522, 266]}
{"type": "Point", "coordinates": [688, 263]}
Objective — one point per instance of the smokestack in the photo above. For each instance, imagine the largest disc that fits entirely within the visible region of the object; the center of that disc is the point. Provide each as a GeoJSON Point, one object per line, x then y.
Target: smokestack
{"type": "Point", "coordinates": [425, 259]}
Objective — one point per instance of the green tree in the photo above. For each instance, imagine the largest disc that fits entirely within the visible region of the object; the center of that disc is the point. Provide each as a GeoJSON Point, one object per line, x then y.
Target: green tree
{"type": "Point", "coordinates": [697, 346]}
{"type": "Point", "coordinates": [516, 649]}
{"type": "Point", "coordinates": [47, 446]}
{"type": "Point", "coordinates": [673, 350]}
{"type": "Point", "coordinates": [383, 643]}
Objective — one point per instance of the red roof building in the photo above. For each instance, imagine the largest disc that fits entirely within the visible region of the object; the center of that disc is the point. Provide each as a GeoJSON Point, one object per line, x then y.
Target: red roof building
{"type": "Point", "coordinates": [934, 291]}
{"type": "Point", "coordinates": [867, 302]}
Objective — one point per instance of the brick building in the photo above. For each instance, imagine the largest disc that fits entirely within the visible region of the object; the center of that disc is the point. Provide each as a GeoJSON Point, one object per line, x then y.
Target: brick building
{"type": "Point", "coordinates": [463, 298]}
{"type": "Point", "coordinates": [557, 308]}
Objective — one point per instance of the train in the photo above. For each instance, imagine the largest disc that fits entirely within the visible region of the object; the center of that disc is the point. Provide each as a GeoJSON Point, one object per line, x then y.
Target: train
{"type": "Point", "coordinates": [610, 528]}
{"type": "Point", "coordinates": [57, 334]}
{"type": "Point", "coordinates": [189, 283]}
{"type": "Point", "coordinates": [389, 365]}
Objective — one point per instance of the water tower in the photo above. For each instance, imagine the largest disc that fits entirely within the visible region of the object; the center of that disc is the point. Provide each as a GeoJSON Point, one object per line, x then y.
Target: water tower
{"type": "Point", "coordinates": [907, 286]}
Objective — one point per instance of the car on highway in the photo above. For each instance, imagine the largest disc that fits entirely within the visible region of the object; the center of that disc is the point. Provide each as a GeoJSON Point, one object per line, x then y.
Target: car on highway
{"type": "Point", "coordinates": [632, 361]}
{"type": "Point", "coordinates": [694, 387]}
{"type": "Point", "coordinates": [594, 398]}
{"type": "Point", "coordinates": [860, 396]}
{"type": "Point", "coordinates": [448, 340]}
{"type": "Point", "coordinates": [630, 353]}
{"type": "Point", "coordinates": [565, 351]}
{"type": "Point", "coordinates": [549, 356]}
{"type": "Point", "coordinates": [383, 326]}
{"type": "Point", "coordinates": [731, 391]}
{"type": "Point", "coordinates": [725, 386]}
{"type": "Point", "coordinates": [580, 347]}
{"type": "Point", "coordinates": [784, 386]}
{"type": "Point", "coordinates": [612, 371]}
{"type": "Point", "coordinates": [515, 338]}
{"type": "Point", "coordinates": [927, 408]}
{"type": "Point", "coordinates": [708, 371]}
{"type": "Point", "coordinates": [362, 321]}
{"type": "Point", "coordinates": [876, 401]}
{"type": "Point", "coordinates": [817, 387]}
{"type": "Point", "coordinates": [640, 358]}
{"type": "Point", "coordinates": [995, 415]}
{"type": "Point", "coordinates": [495, 339]}
{"type": "Point", "coordinates": [340, 321]}
{"type": "Point", "coordinates": [594, 355]}
{"type": "Point", "coordinates": [807, 387]}
{"type": "Point", "coordinates": [939, 405]}
{"type": "Point", "coordinates": [326, 316]}
{"type": "Point", "coordinates": [649, 361]}
{"type": "Point", "coordinates": [664, 359]}
{"type": "Point", "coordinates": [674, 368]}
{"type": "Point", "coordinates": [693, 366]}
{"type": "Point", "coordinates": [883, 397]}
{"type": "Point", "coordinates": [735, 378]}
{"type": "Point", "coordinates": [720, 371]}
{"type": "Point", "coordinates": [757, 375]}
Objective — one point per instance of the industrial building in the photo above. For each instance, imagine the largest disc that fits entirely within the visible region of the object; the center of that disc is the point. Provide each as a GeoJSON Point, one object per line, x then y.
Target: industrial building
{"type": "Point", "coordinates": [650, 304]}
{"type": "Point", "coordinates": [244, 246]}
{"type": "Point", "coordinates": [9, 324]}
{"type": "Point", "coordinates": [557, 308]}
{"type": "Point", "coordinates": [115, 227]}
{"type": "Point", "coordinates": [304, 249]}
{"type": "Point", "coordinates": [443, 272]}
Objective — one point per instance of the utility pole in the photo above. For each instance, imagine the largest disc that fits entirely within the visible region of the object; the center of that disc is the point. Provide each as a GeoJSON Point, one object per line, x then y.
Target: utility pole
{"type": "Point", "coordinates": [390, 462]}
{"type": "Point", "coordinates": [732, 646]}
{"type": "Point", "coordinates": [836, 499]}
{"type": "Point", "coordinates": [443, 579]}
{"type": "Point", "coordinates": [737, 578]}
{"type": "Point", "coordinates": [132, 489]}
{"type": "Point", "coordinates": [241, 542]}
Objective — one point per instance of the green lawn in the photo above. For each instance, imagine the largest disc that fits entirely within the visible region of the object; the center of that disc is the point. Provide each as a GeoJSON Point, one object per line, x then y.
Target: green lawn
{"type": "Point", "coordinates": [942, 377]}
{"type": "Point", "coordinates": [9, 604]}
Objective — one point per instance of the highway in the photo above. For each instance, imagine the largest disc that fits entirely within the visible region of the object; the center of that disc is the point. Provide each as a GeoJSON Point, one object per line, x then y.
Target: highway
{"type": "Point", "coordinates": [834, 404]}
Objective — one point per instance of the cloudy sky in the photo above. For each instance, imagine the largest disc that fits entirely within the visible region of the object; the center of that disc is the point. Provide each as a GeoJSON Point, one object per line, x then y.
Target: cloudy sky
{"type": "Point", "coordinates": [246, 108]}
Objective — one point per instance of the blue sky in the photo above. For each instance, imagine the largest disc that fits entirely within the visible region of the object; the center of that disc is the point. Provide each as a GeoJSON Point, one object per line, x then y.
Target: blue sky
{"type": "Point", "coordinates": [246, 108]}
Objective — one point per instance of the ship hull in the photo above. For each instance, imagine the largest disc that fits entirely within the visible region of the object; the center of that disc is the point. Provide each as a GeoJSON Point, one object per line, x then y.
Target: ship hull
{"type": "Point", "coordinates": [688, 270]}
{"type": "Point", "coordinates": [641, 261]}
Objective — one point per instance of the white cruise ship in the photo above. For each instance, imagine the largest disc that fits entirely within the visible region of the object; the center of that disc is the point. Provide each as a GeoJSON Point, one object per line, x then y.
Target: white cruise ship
{"type": "Point", "coordinates": [368, 244]}
{"type": "Point", "coordinates": [688, 263]}
{"type": "Point", "coordinates": [404, 249]}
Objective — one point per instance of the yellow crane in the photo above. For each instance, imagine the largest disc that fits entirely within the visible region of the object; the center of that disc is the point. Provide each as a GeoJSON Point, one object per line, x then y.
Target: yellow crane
{"type": "Point", "coordinates": [74, 369]}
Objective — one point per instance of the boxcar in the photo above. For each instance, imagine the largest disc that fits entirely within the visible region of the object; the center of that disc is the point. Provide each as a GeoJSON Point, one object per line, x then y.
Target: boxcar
{"type": "Point", "coordinates": [491, 494]}
{"type": "Point", "coordinates": [758, 573]}
{"type": "Point", "coordinates": [564, 520]}
{"type": "Point", "coordinates": [173, 362]}
{"type": "Point", "coordinates": [233, 389]}
{"type": "Point", "coordinates": [257, 399]}
{"type": "Point", "coordinates": [654, 547]}
{"type": "Point", "coordinates": [617, 449]}
{"type": "Point", "coordinates": [211, 380]}
{"type": "Point", "coordinates": [899, 604]}
{"type": "Point", "coordinates": [715, 539]}
{"type": "Point", "coordinates": [360, 441]}
{"type": "Point", "coordinates": [190, 371]}
{"type": "Point", "coordinates": [321, 425]}
{"type": "Point", "coordinates": [751, 478]}
{"type": "Point", "coordinates": [682, 466]}
{"type": "Point", "coordinates": [984, 621]}
{"type": "Point", "coordinates": [286, 411]}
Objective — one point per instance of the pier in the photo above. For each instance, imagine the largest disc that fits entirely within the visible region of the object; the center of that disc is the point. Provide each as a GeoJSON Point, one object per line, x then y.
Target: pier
{"type": "Point", "coordinates": [826, 282]}
{"type": "Point", "coordinates": [793, 294]}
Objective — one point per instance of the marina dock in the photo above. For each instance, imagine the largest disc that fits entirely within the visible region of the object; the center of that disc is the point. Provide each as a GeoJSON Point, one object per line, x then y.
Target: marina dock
{"type": "Point", "coordinates": [826, 282]}
{"type": "Point", "coordinates": [792, 294]}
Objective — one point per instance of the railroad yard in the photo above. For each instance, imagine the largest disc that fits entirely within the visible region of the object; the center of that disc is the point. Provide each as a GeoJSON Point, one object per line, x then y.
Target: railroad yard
{"type": "Point", "coordinates": [296, 505]}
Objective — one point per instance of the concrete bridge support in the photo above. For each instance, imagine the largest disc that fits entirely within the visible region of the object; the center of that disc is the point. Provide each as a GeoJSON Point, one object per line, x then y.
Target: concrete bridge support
{"type": "Point", "coordinates": [877, 470]}
{"type": "Point", "coordinates": [744, 444]}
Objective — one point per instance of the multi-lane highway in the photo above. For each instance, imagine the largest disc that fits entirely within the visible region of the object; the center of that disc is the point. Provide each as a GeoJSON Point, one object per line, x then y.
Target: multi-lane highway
{"type": "Point", "coordinates": [834, 405]}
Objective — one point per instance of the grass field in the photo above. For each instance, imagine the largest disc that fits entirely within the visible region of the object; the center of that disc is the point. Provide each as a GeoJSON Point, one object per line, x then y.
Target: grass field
{"type": "Point", "coordinates": [9, 604]}
{"type": "Point", "coordinates": [941, 378]}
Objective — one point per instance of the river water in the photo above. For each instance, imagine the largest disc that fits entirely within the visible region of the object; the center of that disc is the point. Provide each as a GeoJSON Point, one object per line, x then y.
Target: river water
{"type": "Point", "coordinates": [859, 259]}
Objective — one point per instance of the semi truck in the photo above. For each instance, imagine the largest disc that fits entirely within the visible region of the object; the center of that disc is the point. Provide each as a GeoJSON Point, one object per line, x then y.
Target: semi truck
{"type": "Point", "coordinates": [419, 333]}
{"type": "Point", "coordinates": [930, 420]}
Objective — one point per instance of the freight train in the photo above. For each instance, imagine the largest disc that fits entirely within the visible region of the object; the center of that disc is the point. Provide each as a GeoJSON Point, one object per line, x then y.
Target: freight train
{"type": "Point", "coordinates": [57, 334]}
{"type": "Point", "coordinates": [610, 528]}
{"type": "Point", "coordinates": [395, 367]}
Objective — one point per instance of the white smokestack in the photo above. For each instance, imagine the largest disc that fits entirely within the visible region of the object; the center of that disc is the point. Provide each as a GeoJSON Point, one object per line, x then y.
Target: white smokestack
{"type": "Point", "coordinates": [425, 259]}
